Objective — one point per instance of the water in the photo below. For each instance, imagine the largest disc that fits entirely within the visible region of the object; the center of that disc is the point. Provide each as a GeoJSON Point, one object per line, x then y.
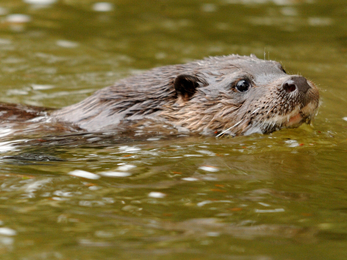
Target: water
{"type": "Point", "coordinates": [260, 197]}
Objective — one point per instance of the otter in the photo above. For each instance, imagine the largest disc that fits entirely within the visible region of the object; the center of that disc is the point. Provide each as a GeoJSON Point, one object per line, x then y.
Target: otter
{"type": "Point", "coordinates": [224, 95]}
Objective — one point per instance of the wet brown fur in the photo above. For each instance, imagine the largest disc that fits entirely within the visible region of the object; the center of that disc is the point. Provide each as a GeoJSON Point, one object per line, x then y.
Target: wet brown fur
{"type": "Point", "coordinates": [197, 97]}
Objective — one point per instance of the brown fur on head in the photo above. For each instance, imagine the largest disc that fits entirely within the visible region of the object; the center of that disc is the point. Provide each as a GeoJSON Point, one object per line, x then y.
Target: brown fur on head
{"type": "Point", "coordinates": [219, 95]}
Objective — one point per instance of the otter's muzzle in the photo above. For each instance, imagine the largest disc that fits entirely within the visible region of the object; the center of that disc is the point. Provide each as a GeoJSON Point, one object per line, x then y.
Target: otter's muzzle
{"type": "Point", "coordinates": [296, 83]}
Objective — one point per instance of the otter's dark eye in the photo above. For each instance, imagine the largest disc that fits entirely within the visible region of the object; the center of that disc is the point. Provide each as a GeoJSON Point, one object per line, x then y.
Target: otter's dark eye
{"type": "Point", "coordinates": [242, 85]}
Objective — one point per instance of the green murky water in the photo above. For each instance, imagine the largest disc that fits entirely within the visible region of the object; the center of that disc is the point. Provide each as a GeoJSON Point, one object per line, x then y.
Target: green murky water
{"type": "Point", "coordinates": [278, 196]}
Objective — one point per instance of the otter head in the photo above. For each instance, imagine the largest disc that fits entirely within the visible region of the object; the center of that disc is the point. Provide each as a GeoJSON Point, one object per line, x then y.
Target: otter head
{"type": "Point", "coordinates": [240, 95]}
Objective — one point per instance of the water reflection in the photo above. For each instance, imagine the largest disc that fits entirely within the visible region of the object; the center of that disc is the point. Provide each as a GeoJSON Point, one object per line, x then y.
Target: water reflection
{"type": "Point", "coordinates": [17, 22]}
{"type": "Point", "coordinates": [186, 197]}
{"type": "Point", "coordinates": [66, 44]}
{"type": "Point", "coordinates": [103, 7]}
{"type": "Point", "coordinates": [84, 174]}
{"type": "Point", "coordinates": [40, 2]}
{"type": "Point", "coordinates": [4, 231]}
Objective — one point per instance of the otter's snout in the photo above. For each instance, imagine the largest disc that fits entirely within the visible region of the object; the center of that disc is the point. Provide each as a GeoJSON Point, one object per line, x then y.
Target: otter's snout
{"type": "Point", "coordinates": [296, 82]}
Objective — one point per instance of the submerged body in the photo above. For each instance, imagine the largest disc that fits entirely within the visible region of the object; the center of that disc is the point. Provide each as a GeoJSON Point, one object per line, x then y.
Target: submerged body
{"type": "Point", "coordinates": [233, 94]}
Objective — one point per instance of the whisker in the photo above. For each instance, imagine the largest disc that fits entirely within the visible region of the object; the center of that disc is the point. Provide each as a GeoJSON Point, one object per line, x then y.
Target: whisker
{"type": "Point", "coordinates": [227, 130]}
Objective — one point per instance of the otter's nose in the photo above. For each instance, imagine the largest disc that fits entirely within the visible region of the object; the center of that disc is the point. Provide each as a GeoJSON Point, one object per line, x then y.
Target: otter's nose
{"type": "Point", "coordinates": [296, 82]}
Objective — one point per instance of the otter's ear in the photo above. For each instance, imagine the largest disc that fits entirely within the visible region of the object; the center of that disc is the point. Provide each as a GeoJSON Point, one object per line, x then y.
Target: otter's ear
{"type": "Point", "coordinates": [186, 85]}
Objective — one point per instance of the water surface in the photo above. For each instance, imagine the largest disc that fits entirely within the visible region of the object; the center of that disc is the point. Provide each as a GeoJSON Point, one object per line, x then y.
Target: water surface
{"type": "Point", "coordinates": [260, 197]}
